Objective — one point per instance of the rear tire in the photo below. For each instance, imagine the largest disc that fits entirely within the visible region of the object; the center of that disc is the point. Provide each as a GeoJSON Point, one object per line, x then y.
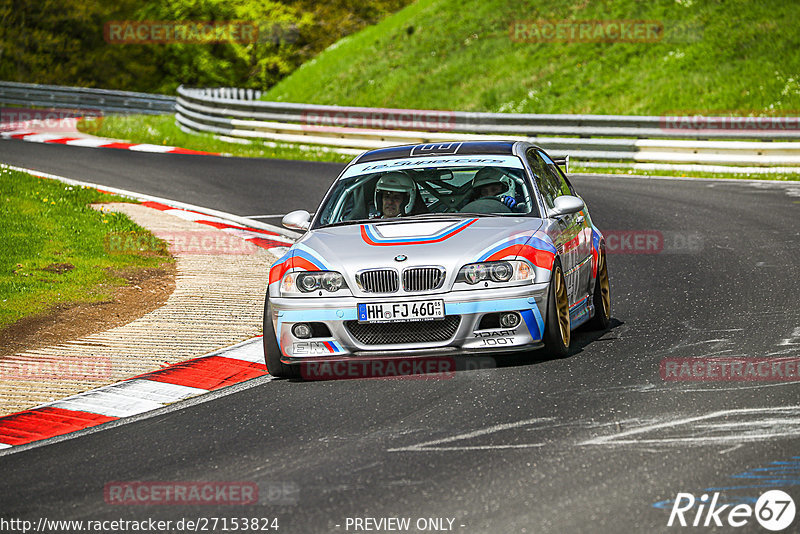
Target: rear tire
{"type": "Point", "coordinates": [272, 353]}
{"type": "Point", "coordinates": [557, 332]}
{"type": "Point", "coordinates": [602, 296]}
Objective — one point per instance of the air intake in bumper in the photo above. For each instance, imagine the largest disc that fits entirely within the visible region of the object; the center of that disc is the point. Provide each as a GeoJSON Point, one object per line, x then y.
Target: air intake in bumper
{"type": "Point", "coordinates": [404, 332]}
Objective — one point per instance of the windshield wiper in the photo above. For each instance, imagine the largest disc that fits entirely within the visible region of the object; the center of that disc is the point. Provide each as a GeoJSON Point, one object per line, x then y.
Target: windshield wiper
{"type": "Point", "coordinates": [471, 214]}
{"type": "Point", "coordinates": [442, 215]}
{"type": "Point", "coordinates": [456, 214]}
{"type": "Point", "coordinates": [345, 223]}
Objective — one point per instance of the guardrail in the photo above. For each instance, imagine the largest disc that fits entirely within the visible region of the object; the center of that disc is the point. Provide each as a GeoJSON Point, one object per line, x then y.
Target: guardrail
{"type": "Point", "coordinates": [103, 100]}
{"type": "Point", "coordinates": [232, 113]}
{"type": "Point", "coordinates": [238, 115]}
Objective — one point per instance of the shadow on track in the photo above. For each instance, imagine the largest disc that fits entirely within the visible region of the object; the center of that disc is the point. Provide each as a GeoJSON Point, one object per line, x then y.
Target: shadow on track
{"type": "Point", "coordinates": [437, 367]}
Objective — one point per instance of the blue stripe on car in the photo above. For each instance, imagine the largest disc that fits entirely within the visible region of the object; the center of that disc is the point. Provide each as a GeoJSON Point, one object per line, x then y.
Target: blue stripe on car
{"type": "Point", "coordinates": [370, 229]}
{"type": "Point", "coordinates": [534, 323]}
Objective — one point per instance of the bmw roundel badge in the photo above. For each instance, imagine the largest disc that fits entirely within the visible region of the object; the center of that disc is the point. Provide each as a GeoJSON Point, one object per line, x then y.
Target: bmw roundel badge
{"type": "Point", "coordinates": [400, 257]}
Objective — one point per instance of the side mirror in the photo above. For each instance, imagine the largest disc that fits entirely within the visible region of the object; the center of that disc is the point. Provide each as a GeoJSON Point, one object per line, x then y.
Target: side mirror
{"type": "Point", "coordinates": [297, 220]}
{"type": "Point", "coordinates": [566, 205]}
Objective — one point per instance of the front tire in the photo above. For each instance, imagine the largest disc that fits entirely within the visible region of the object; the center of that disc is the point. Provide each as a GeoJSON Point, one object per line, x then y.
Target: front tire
{"type": "Point", "coordinates": [272, 353]}
{"type": "Point", "coordinates": [602, 296]}
{"type": "Point", "coordinates": [557, 331]}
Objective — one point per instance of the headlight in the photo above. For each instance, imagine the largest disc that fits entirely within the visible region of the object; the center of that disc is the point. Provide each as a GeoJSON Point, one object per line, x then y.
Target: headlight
{"type": "Point", "coordinates": [299, 282]}
{"type": "Point", "coordinates": [496, 271]}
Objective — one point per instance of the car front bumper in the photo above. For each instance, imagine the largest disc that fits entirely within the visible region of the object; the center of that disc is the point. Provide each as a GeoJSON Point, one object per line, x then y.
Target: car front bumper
{"type": "Point", "coordinates": [457, 334]}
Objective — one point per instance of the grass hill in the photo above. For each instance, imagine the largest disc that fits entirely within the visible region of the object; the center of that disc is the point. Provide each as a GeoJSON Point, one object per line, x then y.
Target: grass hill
{"type": "Point", "coordinates": [98, 43]}
{"type": "Point", "coordinates": [711, 56]}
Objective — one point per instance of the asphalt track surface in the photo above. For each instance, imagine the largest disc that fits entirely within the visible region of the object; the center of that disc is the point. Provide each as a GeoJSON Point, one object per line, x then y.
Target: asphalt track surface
{"type": "Point", "coordinates": [586, 443]}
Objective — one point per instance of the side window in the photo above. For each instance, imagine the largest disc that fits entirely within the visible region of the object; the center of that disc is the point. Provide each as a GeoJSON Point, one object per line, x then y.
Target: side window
{"type": "Point", "coordinates": [562, 185]}
{"type": "Point", "coordinates": [569, 184]}
{"type": "Point", "coordinates": [555, 169]}
{"type": "Point", "coordinates": [547, 184]}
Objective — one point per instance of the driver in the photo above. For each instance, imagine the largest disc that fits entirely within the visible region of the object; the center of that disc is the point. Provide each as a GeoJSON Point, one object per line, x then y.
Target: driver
{"type": "Point", "coordinates": [394, 195]}
{"type": "Point", "coordinates": [488, 183]}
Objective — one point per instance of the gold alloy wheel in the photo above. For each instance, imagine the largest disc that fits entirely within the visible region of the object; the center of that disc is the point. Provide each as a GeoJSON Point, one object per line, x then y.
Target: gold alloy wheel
{"type": "Point", "coordinates": [605, 292]}
{"type": "Point", "coordinates": [562, 307]}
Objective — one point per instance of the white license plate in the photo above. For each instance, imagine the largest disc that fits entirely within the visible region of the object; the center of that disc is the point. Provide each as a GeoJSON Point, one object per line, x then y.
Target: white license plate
{"type": "Point", "coordinates": [390, 312]}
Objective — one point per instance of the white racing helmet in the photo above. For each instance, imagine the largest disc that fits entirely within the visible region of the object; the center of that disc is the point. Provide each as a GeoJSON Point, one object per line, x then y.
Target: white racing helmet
{"type": "Point", "coordinates": [397, 182]}
{"type": "Point", "coordinates": [489, 176]}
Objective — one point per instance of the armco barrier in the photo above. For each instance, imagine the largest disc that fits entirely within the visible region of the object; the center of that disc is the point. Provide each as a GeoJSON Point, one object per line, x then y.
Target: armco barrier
{"type": "Point", "coordinates": [238, 114]}
{"type": "Point", "coordinates": [103, 100]}
{"type": "Point", "coordinates": [700, 140]}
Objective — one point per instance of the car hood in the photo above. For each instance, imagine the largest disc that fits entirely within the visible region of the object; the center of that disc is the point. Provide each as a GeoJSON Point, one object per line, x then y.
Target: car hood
{"type": "Point", "coordinates": [446, 242]}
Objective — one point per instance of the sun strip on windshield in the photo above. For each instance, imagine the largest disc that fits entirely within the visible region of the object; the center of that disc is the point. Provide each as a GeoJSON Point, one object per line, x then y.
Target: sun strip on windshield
{"type": "Point", "coordinates": [417, 163]}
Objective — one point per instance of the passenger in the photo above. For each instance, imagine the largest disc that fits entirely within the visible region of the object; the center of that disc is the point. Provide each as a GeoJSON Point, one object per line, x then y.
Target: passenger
{"type": "Point", "coordinates": [488, 183]}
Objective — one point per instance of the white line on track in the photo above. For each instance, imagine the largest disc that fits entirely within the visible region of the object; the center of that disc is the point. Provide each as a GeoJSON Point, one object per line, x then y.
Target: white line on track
{"type": "Point", "coordinates": [753, 424]}
{"type": "Point", "coordinates": [432, 445]}
{"type": "Point", "coordinates": [774, 428]}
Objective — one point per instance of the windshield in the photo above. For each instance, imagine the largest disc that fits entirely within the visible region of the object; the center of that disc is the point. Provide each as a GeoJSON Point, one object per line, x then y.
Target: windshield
{"type": "Point", "coordinates": [419, 188]}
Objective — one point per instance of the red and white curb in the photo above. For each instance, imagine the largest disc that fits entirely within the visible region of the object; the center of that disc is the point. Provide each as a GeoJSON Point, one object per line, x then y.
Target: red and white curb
{"type": "Point", "coordinates": [136, 395]}
{"type": "Point", "coordinates": [271, 241]}
{"type": "Point", "coordinates": [219, 219]}
{"type": "Point", "coordinates": [157, 389]}
{"type": "Point", "coordinates": [68, 135]}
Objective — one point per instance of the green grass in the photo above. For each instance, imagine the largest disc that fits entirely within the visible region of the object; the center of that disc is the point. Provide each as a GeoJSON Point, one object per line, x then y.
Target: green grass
{"type": "Point", "coordinates": [162, 130]}
{"type": "Point", "coordinates": [734, 57]}
{"type": "Point", "coordinates": [46, 227]}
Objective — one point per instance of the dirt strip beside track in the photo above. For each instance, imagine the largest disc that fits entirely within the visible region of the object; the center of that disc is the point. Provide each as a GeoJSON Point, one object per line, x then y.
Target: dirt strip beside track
{"type": "Point", "coordinates": [218, 301]}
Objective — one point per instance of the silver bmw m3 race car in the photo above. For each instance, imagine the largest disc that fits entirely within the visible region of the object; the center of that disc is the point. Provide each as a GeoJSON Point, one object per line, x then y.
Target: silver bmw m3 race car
{"type": "Point", "coordinates": [448, 248]}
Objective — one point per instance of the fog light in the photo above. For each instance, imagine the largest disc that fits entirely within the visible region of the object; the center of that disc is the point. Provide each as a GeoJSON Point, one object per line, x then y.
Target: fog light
{"type": "Point", "coordinates": [509, 320]}
{"type": "Point", "coordinates": [301, 330]}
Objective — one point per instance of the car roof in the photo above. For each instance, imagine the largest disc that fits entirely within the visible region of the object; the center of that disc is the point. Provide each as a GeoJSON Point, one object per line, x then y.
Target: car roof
{"type": "Point", "coordinates": [467, 148]}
